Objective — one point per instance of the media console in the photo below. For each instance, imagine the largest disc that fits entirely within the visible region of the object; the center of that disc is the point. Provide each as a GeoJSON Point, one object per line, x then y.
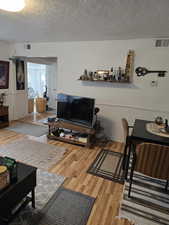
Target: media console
{"type": "Point", "coordinates": [72, 133]}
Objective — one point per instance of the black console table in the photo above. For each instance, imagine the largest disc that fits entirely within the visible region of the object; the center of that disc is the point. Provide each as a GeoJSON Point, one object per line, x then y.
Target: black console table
{"type": "Point", "coordinates": [14, 194]}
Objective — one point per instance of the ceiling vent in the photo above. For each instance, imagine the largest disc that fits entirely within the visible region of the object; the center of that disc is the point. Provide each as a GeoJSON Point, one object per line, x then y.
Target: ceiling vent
{"type": "Point", "coordinates": [162, 43]}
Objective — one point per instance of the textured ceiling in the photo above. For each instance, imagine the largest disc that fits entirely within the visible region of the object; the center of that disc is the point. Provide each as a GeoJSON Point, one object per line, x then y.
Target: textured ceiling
{"type": "Point", "coordinates": [85, 20]}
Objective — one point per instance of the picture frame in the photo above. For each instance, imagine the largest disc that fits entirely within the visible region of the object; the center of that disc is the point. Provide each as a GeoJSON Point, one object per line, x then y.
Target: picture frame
{"type": "Point", "coordinates": [20, 74]}
{"type": "Point", "coordinates": [4, 74]}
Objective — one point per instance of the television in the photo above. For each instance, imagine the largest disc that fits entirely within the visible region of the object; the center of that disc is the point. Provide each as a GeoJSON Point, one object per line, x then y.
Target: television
{"type": "Point", "coordinates": [76, 109]}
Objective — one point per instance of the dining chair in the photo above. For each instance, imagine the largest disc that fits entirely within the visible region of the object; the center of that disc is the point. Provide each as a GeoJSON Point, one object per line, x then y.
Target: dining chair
{"type": "Point", "coordinates": [151, 160]}
{"type": "Point", "coordinates": [126, 130]}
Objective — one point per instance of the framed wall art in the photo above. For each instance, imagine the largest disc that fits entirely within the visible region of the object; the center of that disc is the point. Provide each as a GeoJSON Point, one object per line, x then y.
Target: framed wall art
{"type": "Point", "coordinates": [20, 75]}
{"type": "Point", "coordinates": [4, 75]}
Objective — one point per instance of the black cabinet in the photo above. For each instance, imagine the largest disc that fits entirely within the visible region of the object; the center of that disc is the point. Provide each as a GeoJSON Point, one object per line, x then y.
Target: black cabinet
{"type": "Point", "coordinates": [4, 120]}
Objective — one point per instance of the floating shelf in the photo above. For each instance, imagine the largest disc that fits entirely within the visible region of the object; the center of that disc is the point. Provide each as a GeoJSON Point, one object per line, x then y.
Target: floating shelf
{"type": "Point", "coordinates": [108, 81]}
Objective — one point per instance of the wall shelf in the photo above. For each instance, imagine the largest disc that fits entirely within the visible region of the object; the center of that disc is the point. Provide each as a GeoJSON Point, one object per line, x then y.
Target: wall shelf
{"type": "Point", "coordinates": [112, 75]}
{"type": "Point", "coordinates": [107, 81]}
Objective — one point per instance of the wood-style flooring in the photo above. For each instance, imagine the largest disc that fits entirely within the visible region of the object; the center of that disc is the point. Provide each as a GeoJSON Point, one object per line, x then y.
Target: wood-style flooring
{"type": "Point", "coordinates": [73, 166]}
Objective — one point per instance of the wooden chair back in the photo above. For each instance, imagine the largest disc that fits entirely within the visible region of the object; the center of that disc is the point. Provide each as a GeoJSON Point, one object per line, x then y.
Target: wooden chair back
{"type": "Point", "coordinates": [152, 160]}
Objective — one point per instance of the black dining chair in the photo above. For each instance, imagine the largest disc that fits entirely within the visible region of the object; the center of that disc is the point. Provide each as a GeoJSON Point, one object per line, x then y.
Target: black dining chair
{"type": "Point", "coordinates": [151, 160]}
{"type": "Point", "coordinates": [126, 129]}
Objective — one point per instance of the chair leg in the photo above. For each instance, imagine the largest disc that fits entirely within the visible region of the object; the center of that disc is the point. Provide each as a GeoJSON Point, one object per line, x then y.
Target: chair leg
{"type": "Point", "coordinates": [131, 174]}
{"type": "Point", "coordinates": [127, 161]}
{"type": "Point", "coordinates": [166, 185]}
{"type": "Point", "coordinates": [131, 181]}
{"type": "Point", "coordinates": [125, 157]}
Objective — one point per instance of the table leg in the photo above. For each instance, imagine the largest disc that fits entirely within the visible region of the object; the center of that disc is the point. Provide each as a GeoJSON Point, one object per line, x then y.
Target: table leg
{"type": "Point", "coordinates": [166, 186]}
{"type": "Point", "coordinates": [128, 160]}
{"type": "Point", "coordinates": [33, 198]}
{"type": "Point", "coordinates": [125, 157]}
{"type": "Point", "coordinates": [49, 129]}
{"type": "Point", "coordinates": [132, 147]}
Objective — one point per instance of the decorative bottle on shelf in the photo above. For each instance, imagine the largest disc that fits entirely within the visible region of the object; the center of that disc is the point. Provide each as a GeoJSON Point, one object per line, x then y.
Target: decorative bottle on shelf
{"type": "Point", "coordinates": [111, 74]}
{"type": "Point", "coordinates": [119, 73]}
{"type": "Point", "coordinates": [129, 65]}
{"type": "Point", "coordinates": [85, 75]}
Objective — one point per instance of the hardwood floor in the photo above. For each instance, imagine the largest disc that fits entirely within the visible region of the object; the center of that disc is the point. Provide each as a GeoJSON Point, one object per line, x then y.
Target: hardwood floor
{"type": "Point", "coordinates": [73, 166]}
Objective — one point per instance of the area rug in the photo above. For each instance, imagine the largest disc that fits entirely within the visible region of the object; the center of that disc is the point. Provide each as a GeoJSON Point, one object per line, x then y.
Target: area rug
{"type": "Point", "coordinates": [149, 204]}
{"type": "Point", "coordinates": [29, 129]}
{"type": "Point", "coordinates": [44, 121]}
{"type": "Point", "coordinates": [67, 208]}
{"type": "Point", "coordinates": [108, 164]}
{"type": "Point", "coordinates": [51, 110]}
{"type": "Point", "coordinates": [40, 155]}
{"type": "Point", "coordinates": [47, 185]}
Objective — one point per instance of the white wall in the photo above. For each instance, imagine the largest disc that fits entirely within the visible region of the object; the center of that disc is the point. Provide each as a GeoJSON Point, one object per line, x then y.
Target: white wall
{"type": "Point", "coordinates": [16, 100]}
{"type": "Point", "coordinates": [137, 100]}
{"type": "Point", "coordinates": [5, 53]}
{"type": "Point", "coordinates": [52, 84]}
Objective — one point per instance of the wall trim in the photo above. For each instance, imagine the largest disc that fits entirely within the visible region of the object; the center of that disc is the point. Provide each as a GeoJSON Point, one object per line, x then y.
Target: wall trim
{"type": "Point", "coordinates": [132, 107]}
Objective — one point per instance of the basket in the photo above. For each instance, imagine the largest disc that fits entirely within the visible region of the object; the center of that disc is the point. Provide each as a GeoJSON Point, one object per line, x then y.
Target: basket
{"type": "Point", "coordinates": [40, 105]}
{"type": "Point", "coordinates": [4, 177]}
{"type": "Point", "coordinates": [30, 105]}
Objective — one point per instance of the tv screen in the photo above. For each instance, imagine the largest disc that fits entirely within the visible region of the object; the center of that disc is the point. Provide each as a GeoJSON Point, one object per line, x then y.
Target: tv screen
{"type": "Point", "coordinates": [76, 109]}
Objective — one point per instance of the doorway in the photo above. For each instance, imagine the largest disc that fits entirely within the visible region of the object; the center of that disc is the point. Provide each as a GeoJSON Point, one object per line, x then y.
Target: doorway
{"type": "Point", "coordinates": [41, 75]}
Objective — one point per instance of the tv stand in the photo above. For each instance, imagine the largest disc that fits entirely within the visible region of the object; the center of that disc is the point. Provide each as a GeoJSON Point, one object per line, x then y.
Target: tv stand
{"type": "Point", "coordinates": [75, 123]}
{"type": "Point", "coordinates": [71, 133]}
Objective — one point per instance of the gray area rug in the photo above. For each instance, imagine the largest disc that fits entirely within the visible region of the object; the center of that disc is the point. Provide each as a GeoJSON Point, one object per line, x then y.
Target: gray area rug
{"type": "Point", "coordinates": [29, 129]}
{"type": "Point", "coordinates": [43, 121]}
{"type": "Point", "coordinates": [149, 204]}
{"type": "Point", "coordinates": [108, 164]}
{"type": "Point", "coordinates": [67, 208]}
{"type": "Point", "coordinates": [47, 185]}
{"type": "Point", "coordinates": [40, 155]}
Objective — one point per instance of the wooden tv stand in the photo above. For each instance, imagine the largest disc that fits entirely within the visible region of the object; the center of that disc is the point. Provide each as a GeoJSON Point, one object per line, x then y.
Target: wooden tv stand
{"type": "Point", "coordinates": [72, 127]}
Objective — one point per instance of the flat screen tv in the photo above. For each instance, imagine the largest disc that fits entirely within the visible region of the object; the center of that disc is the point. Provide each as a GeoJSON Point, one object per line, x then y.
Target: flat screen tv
{"type": "Point", "coordinates": [76, 109]}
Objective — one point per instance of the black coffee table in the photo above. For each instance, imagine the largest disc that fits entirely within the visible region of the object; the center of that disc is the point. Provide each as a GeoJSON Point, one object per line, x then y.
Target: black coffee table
{"type": "Point", "coordinates": [17, 192]}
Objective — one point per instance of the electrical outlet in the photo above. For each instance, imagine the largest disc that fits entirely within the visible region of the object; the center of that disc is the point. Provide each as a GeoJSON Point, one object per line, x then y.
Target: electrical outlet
{"type": "Point", "coordinates": [154, 83]}
{"type": "Point", "coordinates": [27, 46]}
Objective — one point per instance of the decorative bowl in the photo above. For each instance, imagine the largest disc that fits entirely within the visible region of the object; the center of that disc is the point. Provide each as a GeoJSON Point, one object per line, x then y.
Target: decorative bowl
{"type": "Point", "coordinates": [159, 120]}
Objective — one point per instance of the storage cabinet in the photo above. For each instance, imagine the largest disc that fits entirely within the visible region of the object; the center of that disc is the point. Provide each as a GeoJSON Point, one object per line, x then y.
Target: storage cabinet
{"type": "Point", "coordinates": [4, 121]}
